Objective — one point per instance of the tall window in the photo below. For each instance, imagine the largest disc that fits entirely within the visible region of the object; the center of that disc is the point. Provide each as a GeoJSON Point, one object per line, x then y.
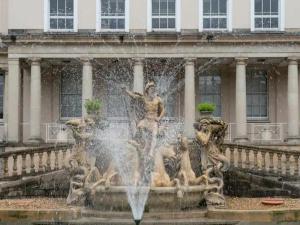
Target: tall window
{"type": "Point", "coordinates": [113, 15]}
{"type": "Point", "coordinates": [257, 95]}
{"type": "Point", "coordinates": [215, 14]}
{"type": "Point", "coordinates": [71, 94]}
{"type": "Point", "coordinates": [267, 14]}
{"type": "Point", "coordinates": [60, 15]}
{"type": "Point", "coordinates": [116, 104]}
{"type": "Point", "coordinates": [163, 15]}
{"type": "Point", "coordinates": [210, 91]}
{"type": "Point", "coordinates": [1, 95]}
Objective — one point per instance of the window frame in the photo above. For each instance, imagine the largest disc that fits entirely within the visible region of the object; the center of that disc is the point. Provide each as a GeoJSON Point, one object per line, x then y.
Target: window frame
{"type": "Point", "coordinates": [61, 118]}
{"type": "Point", "coordinates": [281, 18]}
{"type": "Point", "coordinates": [213, 73]}
{"type": "Point", "coordinates": [47, 18]}
{"type": "Point", "coordinates": [99, 17]}
{"type": "Point", "coordinates": [177, 18]}
{"type": "Point", "coordinates": [259, 118]}
{"type": "Point", "coordinates": [229, 18]}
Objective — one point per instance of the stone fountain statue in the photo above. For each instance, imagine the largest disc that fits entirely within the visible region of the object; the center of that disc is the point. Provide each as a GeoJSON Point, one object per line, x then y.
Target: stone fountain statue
{"type": "Point", "coordinates": [164, 168]}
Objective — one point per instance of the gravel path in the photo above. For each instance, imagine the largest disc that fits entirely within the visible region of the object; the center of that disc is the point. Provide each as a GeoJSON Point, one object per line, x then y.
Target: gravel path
{"type": "Point", "coordinates": [60, 203]}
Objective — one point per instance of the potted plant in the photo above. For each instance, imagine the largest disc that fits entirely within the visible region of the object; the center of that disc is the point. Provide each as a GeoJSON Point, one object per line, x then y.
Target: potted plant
{"type": "Point", "coordinates": [93, 107]}
{"type": "Point", "coordinates": [206, 109]}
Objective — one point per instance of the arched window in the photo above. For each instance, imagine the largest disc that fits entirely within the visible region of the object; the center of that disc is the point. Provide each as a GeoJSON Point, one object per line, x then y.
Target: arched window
{"type": "Point", "coordinates": [257, 95]}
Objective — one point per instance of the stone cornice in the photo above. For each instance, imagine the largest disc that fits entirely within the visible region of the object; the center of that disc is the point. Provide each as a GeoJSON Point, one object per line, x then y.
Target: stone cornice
{"type": "Point", "coordinates": [161, 38]}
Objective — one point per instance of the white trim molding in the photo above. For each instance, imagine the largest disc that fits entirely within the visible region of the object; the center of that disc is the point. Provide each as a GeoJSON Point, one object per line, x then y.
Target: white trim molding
{"type": "Point", "coordinates": [47, 18]}
{"type": "Point", "coordinates": [98, 18]}
{"type": "Point", "coordinates": [177, 18]}
{"type": "Point", "coordinates": [228, 17]}
{"type": "Point", "coordinates": [281, 18]}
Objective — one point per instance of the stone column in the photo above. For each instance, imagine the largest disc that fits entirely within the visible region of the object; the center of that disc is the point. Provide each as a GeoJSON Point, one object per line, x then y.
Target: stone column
{"type": "Point", "coordinates": [293, 101]}
{"type": "Point", "coordinates": [189, 98]}
{"type": "Point", "coordinates": [35, 101]}
{"type": "Point", "coordinates": [5, 99]}
{"type": "Point", "coordinates": [87, 83]}
{"type": "Point", "coordinates": [240, 101]}
{"type": "Point", "coordinates": [14, 84]}
{"type": "Point", "coordinates": [138, 75]}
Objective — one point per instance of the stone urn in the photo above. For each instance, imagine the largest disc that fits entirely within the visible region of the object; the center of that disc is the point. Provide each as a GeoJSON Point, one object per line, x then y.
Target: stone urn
{"type": "Point", "coordinates": [206, 114]}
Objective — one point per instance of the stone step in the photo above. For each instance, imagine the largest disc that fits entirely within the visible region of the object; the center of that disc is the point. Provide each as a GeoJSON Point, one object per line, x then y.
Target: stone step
{"type": "Point", "coordinates": [103, 221]}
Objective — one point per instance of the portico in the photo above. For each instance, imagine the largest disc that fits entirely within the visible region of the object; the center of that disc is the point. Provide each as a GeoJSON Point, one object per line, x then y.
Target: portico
{"type": "Point", "coordinates": [232, 63]}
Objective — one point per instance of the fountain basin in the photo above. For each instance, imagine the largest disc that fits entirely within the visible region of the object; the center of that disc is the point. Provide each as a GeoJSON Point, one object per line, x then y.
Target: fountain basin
{"type": "Point", "coordinates": [159, 198]}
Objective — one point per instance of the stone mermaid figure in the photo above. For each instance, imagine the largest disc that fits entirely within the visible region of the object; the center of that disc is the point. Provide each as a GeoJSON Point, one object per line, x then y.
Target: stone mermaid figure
{"type": "Point", "coordinates": [210, 133]}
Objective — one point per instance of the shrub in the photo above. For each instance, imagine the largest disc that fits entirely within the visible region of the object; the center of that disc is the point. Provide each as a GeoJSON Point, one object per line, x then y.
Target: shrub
{"type": "Point", "coordinates": [206, 107]}
{"type": "Point", "coordinates": [92, 106]}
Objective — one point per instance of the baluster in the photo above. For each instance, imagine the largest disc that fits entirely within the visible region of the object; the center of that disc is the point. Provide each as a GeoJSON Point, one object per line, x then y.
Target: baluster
{"type": "Point", "coordinates": [15, 169]}
{"type": "Point", "coordinates": [287, 164]}
{"type": "Point", "coordinates": [271, 156]}
{"type": "Point", "coordinates": [232, 156]}
{"type": "Point", "coordinates": [56, 160]}
{"type": "Point", "coordinates": [296, 170]}
{"type": "Point", "coordinates": [247, 163]}
{"type": "Point", "coordinates": [49, 161]}
{"type": "Point", "coordinates": [41, 166]}
{"type": "Point", "coordinates": [240, 163]}
{"type": "Point", "coordinates": [279, 167]}
{"type": "Point", "coordinates": [5, 164]}
{"type": "Point", "coordinates": [263, 163]}
{"type": "Point", "coordinates": [255, 159]}
{"type": "Point", "coordinates": [32, 170]}
{"type": "Point", "coordinates": [24, 163]}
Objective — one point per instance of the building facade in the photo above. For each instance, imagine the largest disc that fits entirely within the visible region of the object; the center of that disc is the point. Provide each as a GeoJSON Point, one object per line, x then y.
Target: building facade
{"type": "Point", "coordinates": [241, 55]}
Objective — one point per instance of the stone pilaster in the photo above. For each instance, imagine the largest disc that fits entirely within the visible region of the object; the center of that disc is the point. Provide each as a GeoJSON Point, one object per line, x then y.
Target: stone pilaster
{"type": "Point", "coordinates": [138, 75]}
{"type": "Point", "coordinates": [14, 84]}
{"type": "Point", "coordinates": [293, 101]}
{"type": "Point", "coordinates": [189, 98]}
{"type": "Point", "coordinates": [87, 82]}
{"type": "Point", "coordinates": [240, 100]}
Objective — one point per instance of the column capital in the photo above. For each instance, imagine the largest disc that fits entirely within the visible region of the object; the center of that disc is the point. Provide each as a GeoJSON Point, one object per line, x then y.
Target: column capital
{"type": "Point", "coordinates": [241, 61]}
{"type": "Point", "coordinates": [86, 60]}
{"type": "Point", "coordinates": [13, 60]}
{"type": "Point", "coordinates": [35, 61]}
{"type": "Point", "coordinates": [138, 60]}
{"type": "Point", "coordinates": [189, 61]}
{"type": "Point", "coordinates": [292, 61]}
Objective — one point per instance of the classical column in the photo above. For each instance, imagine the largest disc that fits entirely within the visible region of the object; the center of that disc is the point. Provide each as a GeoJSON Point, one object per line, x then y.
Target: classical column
{"type": "Point", "coordinates": [293, 101]}
{"type": "Point", "coordinates": [240, 101]}
{"type": "Point", "coordinates": [14, 84]}
{"type": "Point", "coordinates": [189, 97]}
{"type": "Point", "coordinates": [5, 103]}
{"type": "Point", "coordinates": [35, 100]}
{"type": "Point", "coordinates": [87, 83]}
{"type": "Point", "coordinates": [138, 75]}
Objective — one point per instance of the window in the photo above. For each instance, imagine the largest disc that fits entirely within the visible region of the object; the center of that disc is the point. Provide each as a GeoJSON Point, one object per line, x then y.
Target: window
{"type": "Point", "coordinates": [210, 90]}
{"type": "Point", "coordinates": [215, 15]}
{"type": "Point", "coordinates": [60, 15]}
{"type": "Point", "coordinates": [71, 94]}
{"type": "Point", "coordinates": [257, 95]}
{"type": "Point", "coordinates": [165, 15]}
{"type": "Point", "coordinates": [267, 14]}
{"type": "Point", "coordinates": [1, 95]}
{"type": "Point", "coordinates": [113, 15]}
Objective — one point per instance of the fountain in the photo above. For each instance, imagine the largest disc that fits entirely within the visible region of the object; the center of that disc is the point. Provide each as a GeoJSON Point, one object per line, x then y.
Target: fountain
{"type": "Point", "coordinates": [145, 171]}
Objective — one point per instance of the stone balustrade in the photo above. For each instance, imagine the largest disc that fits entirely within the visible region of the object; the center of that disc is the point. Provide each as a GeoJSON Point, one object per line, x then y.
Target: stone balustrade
{"type": "Point", "coordinates": [33, 161]}
{"type": "Point", "coordinates": [281, 162]}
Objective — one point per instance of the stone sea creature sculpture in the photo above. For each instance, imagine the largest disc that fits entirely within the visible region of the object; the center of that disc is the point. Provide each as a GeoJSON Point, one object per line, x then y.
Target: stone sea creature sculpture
{"type": "Point", "coordinates": [210, 133]}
